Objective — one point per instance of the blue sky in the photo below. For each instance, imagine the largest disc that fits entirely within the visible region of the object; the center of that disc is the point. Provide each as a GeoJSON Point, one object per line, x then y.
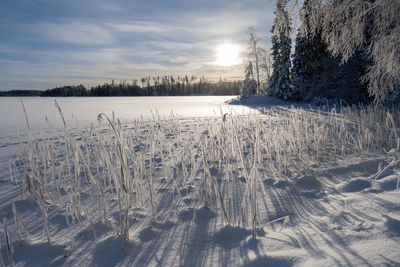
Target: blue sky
{"type": "Point", "coordinates": [49, 43]}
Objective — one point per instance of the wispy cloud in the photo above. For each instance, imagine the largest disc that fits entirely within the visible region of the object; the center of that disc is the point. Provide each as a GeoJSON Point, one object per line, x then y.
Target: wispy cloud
{"type": "Point", "coordinates": [81, 33]}
{"type": "Point", "coordinates": [139, 27]}
{"type": "Point", "coordinates": [49, 43]}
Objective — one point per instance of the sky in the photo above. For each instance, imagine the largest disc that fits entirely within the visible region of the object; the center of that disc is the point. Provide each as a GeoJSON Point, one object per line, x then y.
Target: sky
{"type": "Point", "coordinates": [50, 43]}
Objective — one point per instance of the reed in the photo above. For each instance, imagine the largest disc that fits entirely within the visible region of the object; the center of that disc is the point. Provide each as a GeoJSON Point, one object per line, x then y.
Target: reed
{"type": "Point", "coordinates": [10, 248]}
{"type": "Point", "coordinates": [122, 166]}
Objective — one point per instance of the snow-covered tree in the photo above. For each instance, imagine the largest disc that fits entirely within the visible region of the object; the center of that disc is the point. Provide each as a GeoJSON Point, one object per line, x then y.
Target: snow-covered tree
{"type": "Point", "coordinates": [308, 50]}
{"type": "Point", "coordinates": [266, 63]}
{"type": "Point", "coordinates": [279, 83]}
{"type": "Point", "coordinates": [255, 54]}
{"type": "Point", "coordinates": [349, 25]}
{"type": "Point", "coordinates": [249, 84]}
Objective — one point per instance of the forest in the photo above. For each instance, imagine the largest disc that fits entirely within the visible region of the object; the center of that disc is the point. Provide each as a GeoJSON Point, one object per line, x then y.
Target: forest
{"type": "Point", "coordinates": [150, 86]}
{"type": "Point", "coordinates": [343, 49]}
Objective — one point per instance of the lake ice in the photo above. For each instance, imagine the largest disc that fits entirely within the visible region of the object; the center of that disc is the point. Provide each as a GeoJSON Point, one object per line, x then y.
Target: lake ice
{"type": "Point", "coordinates": [86, 109]}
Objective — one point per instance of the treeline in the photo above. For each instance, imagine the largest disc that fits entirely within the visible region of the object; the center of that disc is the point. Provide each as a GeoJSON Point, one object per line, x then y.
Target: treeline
{"type": "Point", "coordinates": [21, 93]}
{"type": "Point", "coordinates": [149, 86]}
{"type": "Point", "coordinates": [152, 86]}
{"type": "Point", "coordinates": [167, 86]}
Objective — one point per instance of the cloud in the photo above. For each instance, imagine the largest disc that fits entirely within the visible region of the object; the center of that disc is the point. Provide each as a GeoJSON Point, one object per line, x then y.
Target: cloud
{"type": "Point", "coordinates": [139, 27]}
{"type": "Point", "coordinates": [80, 33]}
{"type": "Point", "coordinates": [178, 59]}
{"type": "Point", "coordinates": [7, 49]}
{"type": "Point", "coordinates": [13, 61]}
{"type": "Point", "coordinates": [92, 41]}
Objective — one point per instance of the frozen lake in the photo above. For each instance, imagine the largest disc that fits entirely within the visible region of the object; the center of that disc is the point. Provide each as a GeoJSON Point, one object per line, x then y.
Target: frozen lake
{"type": "Point", "coordinates": [86, 109]}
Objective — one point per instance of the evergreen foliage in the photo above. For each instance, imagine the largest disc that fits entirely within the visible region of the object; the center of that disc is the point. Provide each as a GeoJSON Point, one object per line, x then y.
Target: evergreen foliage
{"type": "Point", "coordinates": [20, 93]}
{"type": "Point", "coordinates": [316, 73]}
{"type": "Point", "coordinates": [308, 51]}
{"type": "Point", "coordinates": [150, 86]}
{"type": "Point", "coordinates": [79, 90]}
{"type": "Point", "coordinates": [280, 82]}
{"type": "Point", "coordinates": [371, 24]}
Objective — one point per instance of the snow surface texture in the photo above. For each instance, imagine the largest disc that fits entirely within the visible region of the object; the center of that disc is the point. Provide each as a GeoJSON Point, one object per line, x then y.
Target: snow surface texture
{"type": "Point", "coordinates": [291, 186]}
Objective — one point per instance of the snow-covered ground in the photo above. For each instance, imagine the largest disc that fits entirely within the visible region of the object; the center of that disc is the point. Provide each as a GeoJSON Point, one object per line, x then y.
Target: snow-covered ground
{"type": "Point", "coordinates": [274, 186]}
{"type": "Point", "coordinates": [44, 118]}
{"type": "Point", "coordinates": [86, 109]}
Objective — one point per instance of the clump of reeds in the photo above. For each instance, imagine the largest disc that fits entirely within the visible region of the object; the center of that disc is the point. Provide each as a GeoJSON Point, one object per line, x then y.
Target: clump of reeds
{"type": "Point", "coordinates": [115, 162]}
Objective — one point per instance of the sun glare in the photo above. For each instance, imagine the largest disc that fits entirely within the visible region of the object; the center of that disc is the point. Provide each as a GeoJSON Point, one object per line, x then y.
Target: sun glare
{"type": "Point", "coordinates": [228, 55]}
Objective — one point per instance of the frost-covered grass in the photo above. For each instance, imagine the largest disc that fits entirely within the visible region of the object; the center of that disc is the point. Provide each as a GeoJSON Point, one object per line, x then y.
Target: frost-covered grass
{"type": "Point", "coordinates": [122, 174]}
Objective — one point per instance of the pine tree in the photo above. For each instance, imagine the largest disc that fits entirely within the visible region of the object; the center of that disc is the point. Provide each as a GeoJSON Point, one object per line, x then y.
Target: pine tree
{"type": "Point", "coordinates": [249, 84]}
{"type": "Point", "coordinates": [308, 50]}
{"type": "Point", "coordinates": [280, 83]}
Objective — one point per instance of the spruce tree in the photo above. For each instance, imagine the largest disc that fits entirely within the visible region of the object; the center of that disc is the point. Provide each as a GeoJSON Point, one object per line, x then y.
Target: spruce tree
{"type": "Point", "coordinates": [308, 50]}
{"type": "Point", "coordinates": [280, 83]}
{"type": "Point", "coordinates": [316, 73]}
{"type": "Point", "coordinates": [374, 26]}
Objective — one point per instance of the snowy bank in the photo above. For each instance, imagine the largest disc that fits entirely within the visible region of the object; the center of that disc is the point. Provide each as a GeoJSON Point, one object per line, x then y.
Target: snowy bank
{"type": "Point", "coordinates": [291, 187]}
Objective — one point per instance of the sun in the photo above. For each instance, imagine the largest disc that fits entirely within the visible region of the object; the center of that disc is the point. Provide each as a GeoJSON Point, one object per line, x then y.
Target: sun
{"type": "Point", "coordinates": [228, 55]}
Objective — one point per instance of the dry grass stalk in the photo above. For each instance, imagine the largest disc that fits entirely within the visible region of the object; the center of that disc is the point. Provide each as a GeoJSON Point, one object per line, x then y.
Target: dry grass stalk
{"type": "Point", "coordinates": [18, 220]}
{"type": "Point", "coordinates": [10, 248]}
{"type": "Point", "coordinates": [120, 164]}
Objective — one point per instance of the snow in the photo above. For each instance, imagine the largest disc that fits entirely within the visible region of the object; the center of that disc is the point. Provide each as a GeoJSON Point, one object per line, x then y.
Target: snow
{"type": "Point", "coordinates": [85, 111]}
{"type": "Point", "coordinates": [333, 211]}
